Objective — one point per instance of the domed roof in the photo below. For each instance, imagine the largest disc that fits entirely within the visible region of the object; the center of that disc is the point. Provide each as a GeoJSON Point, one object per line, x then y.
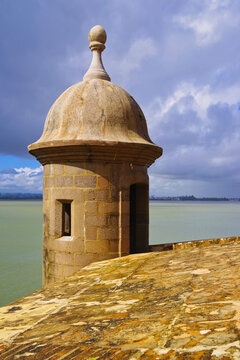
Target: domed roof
{"type": "Point", "coordinates": [94, 112]}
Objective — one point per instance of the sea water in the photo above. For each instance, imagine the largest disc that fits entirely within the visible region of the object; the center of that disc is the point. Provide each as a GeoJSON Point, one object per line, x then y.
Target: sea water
{"type": "Point", "coordinates": [20, 249]}
{"type": "Point", "coordinates": [21, 236]}
{"type": "Point", "coordinates": [192, 220]}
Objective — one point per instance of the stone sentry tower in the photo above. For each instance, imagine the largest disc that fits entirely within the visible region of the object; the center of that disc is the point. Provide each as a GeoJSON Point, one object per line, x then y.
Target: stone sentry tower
{"type": "Point", "coordinates": [95, 151]}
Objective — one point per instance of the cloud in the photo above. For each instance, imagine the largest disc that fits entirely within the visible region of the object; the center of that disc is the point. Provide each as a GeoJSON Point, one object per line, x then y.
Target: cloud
{"type": "Point", "coordinates": [179, 60]}
{"type": "Point", "coordinates": [188, 98]}
{"type": "Point", "coordinates": [210, 22]}
{"type": "Point", "coordinates": [25, 180]}
{"type": "Point", "coordinates": [200, 135]}
{"type": "Point", "coordinates": [125, 66]}
{"type": "Point", "coordinates": [8, 171]}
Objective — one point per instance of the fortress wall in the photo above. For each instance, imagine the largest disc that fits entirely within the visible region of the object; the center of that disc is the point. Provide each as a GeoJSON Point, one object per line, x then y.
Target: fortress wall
{"type": "Point", "coordinates": [194, 243]}
{"type": "Point", "coordinates": [162, 305]}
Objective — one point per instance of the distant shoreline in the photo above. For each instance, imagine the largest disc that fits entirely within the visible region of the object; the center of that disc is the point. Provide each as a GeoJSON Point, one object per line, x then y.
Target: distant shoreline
{"type": "Point", "coordinates": [21, 199]}
{"type": "Point", "coordinates": [151, 200]}
{"type": "Point", "coordinates": [203, 199]}
{"type": "Point", "coordinates": [20, 196]}
{"type": "Point", "coordinates": [190, 198]}
{"type": "Point", "coordinates": [32, 196]}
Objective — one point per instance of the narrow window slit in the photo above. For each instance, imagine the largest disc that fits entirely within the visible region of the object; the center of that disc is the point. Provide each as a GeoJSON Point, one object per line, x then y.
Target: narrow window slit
{"type": "Point", "coordinates": [66, 219]}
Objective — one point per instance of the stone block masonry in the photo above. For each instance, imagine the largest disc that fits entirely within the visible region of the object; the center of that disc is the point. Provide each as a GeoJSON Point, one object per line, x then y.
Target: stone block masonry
{"type": "Point", "coordinates": [98, 194]}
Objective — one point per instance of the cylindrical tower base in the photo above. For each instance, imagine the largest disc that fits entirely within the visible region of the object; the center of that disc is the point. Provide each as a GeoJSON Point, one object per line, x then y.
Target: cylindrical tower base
{"type": "Point", "coordinates": [86, 209]}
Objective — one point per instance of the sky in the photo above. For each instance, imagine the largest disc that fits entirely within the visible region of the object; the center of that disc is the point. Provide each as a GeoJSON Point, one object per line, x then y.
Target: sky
{"type": "Point", "coordinates": [179, 59]}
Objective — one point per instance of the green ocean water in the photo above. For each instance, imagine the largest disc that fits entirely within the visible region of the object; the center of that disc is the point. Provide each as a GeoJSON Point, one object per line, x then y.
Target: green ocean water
{"type": "Point", "coordinates": [21, 236]}
{"type": "Point", "coordinates": [193, 220]}
{"type": "Point", "coordinates": [20, 249]}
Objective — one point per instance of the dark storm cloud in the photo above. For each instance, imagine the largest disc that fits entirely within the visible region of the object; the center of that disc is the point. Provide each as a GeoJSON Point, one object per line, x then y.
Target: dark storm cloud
{"type": "Point", "coordinates": [180, 60]}
{"type": "Point", "coordinates": [201, 147]}
{"type": "Point", "coordinates": [35, 37]}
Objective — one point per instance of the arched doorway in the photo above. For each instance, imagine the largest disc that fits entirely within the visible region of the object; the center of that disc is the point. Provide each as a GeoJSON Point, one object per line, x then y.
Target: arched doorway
{"type": "Point", "coordinates": [139, 218]}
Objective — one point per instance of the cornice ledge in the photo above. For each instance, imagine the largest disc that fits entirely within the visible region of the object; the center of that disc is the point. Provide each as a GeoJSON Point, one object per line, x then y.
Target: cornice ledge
{"type": "Point", "coordinates": [115, 152]}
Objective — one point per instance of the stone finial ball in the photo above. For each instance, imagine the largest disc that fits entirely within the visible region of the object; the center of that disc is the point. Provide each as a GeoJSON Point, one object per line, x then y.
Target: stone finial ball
{"type": "Point", "coordinates": [97, 33]}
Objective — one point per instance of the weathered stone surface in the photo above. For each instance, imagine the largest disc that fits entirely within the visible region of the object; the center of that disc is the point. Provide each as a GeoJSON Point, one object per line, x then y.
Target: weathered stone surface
{"type": "Point", "coordinates": [85, 181]}
{"type": "Point", "coordinates": [96, 112]}
{"type": "Point", "coordinates": [181, 304]}
{"type": "Point", "coordinates": [95, 150]}
{"type": "Point", "coordinates": [99, 211]}
{"type": "Point", "coordinates": [61, 181]}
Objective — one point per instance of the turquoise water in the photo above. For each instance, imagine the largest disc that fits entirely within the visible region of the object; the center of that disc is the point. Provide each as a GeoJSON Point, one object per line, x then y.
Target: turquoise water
{"type": "Point", "coordinates": [21, 236]}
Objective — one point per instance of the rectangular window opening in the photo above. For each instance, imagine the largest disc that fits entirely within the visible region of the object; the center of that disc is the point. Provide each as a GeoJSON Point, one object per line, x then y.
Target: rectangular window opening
{"type": "Point", "coordinates": [66, 219]}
